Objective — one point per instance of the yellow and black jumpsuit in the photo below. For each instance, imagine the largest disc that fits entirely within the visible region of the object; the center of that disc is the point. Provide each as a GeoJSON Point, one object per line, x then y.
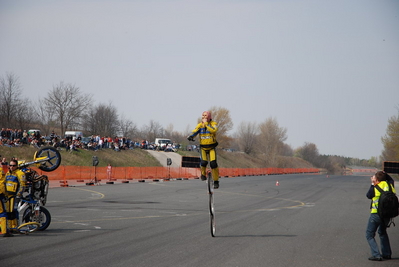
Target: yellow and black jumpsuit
{"type": "Point", "coordinates": [3, 211]}
{"type": "Point", "coordinates": [15, 182]}
{"type": "Point", "coordinates": [208, 143]}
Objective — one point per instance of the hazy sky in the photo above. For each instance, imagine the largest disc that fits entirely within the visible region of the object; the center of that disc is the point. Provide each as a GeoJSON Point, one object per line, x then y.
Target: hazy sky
{"type": "Point", "coordinates": [328, 71]}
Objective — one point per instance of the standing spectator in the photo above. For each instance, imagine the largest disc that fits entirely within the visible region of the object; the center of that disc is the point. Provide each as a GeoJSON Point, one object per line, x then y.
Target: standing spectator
{"type": "Point", "coordinates": [25, 137]}
{"type": "Point", "coordinates": [12, 134]}
{"type": "Point", "coordinates": [3, 133]}
{"type": "Point", "coordinates": [106, 142]}
{"type": "Point", "coordinates": [8, 133]}
{"type": "Point", "coordinates": [19, 134]}
{"type": "Point", "coordinates": [109, 171]}
{"type": "Point", "coordinates": [375, 222]}
{"type": "Point", "coordinates": [97, 138]}
{"type": "Point", "coordinates": [100, 143]}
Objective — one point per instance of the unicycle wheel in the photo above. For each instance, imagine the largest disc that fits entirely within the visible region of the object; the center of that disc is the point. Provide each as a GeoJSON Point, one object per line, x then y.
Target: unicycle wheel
{"type": "Point", "coordinates": [53, 158]}
{"type": "Point", "coordinates": [211, 204]}
{"type": "Point", "coordinates": [28, 227]}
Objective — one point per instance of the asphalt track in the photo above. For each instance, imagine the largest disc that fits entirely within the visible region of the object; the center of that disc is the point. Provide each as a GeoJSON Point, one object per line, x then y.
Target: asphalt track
{"type": "Point", "coordinates": [308, 220]}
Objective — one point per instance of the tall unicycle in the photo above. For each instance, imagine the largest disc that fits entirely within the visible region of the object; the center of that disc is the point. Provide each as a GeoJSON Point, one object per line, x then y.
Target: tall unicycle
{"type": "Point", "coordinates": [48, 158]}
{"type": "Point", "coordinates": [211, 203]}
{"type": "Point", "coordinates": [194, 162]}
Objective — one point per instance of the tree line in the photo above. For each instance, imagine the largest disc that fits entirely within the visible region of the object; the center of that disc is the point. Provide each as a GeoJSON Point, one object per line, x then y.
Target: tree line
{"type": "Point", "coordinates": [66, 107]}
{"type": "Point", "coordinates": [390, 140]}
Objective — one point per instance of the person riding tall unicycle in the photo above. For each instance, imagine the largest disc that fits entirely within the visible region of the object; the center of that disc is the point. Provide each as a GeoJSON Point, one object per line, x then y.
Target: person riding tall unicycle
{"type": "Point", "coordinates": [206, 130]}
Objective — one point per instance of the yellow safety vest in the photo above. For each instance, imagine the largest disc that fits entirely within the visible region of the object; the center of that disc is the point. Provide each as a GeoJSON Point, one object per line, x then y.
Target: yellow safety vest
{"type": "Point", "coordinates": [374, 201]}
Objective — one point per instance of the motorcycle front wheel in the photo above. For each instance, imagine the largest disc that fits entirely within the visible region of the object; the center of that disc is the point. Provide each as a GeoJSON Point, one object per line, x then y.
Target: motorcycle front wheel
{"type": "Point", "coordinates": [44, 217]}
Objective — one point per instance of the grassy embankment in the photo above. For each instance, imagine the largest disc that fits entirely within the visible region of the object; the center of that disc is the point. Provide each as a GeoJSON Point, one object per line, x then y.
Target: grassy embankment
{"type": "Point", "coordinates": [140, 158]}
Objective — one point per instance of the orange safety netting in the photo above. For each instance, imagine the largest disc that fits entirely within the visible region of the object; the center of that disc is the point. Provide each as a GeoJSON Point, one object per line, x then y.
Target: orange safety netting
{"type": "Point", "coordinates": [84, 173]}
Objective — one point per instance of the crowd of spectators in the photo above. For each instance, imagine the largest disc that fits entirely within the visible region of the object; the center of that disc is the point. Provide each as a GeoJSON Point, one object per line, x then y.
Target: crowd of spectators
{"type": "Point", "coordinates": [96, 142]}
{"type": "Point", "coordinates": [17, 137]}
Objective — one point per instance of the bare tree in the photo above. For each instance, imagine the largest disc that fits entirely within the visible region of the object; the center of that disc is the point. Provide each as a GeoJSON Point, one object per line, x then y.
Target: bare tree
{"type": "Point", "coordinates": [175, 136]}
{"type": "Point", "coordinates": [11, 104]}
{"type": "Point", "coordinates": [45, 117]}
{"type": "Point", "coordinates": [68, 105]}
{"type": "Point", "coordinates": [25, 116]}
{"type": "Point", "coordinates": [246, 136]}
{"type": "Point", "coordinates": [169, 130]}
{"type": "Point", "coordinates": [271, 140]}
{"type": "Point", "coordinates": [225, 124]}
{"type": "Point", "coordinates": [102, 120]}
{"type": "Point", "coordinates": [235, 142]}
{"type": "Point", "coordinates": [127, 128]}
{"type": "Point", "coordinates": [152, 130]}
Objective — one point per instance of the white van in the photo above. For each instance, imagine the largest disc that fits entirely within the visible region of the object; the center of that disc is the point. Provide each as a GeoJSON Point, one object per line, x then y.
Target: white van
{"type": "Point", "coordinates": [162, 142]}
{"type": "Point", "coordinates": [73, 134]}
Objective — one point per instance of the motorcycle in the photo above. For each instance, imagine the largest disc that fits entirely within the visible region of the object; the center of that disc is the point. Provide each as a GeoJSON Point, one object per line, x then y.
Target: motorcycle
{"type": "Point", "coordinates": [34, 198]}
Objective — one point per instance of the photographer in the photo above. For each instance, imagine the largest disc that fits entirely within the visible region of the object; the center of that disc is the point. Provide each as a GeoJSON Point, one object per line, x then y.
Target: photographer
{"type": "Point", "coordinates": [384, 181]}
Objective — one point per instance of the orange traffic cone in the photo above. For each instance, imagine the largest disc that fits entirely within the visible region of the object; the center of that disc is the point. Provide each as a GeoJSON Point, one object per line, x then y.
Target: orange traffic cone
{"type": "Point", "coordinates": [277, 183]}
